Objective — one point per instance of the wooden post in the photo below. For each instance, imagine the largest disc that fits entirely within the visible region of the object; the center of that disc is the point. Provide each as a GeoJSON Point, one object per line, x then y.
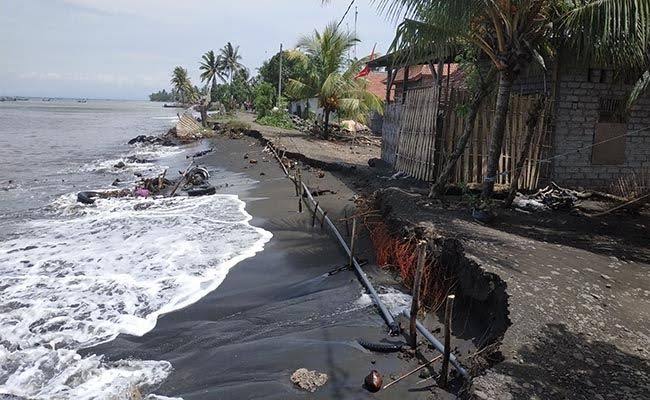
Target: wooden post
{"type": "Point", "coordinates": [322, 221]}
{"type": "Point", "coordinates": [352, 240]}
{"type": "Point", "coordinates": [345, 218]}
{"type": "Point", "coordinates": [313, 218]}
{"type": "Point", "coordinates": [415, 302]}
{"type": "Point", "coordinates": [445, 361]}
{"type": "Point", "coordinates": [405, 83]}
{"type": "Point", "coordinates": [301, 192]}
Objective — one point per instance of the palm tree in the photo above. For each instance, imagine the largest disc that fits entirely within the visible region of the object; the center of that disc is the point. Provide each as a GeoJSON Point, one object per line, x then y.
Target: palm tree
{"type": "Point", "coordinates": [212, 68]}
{"type": "Point", "coordinates": [330, 77]}
{"type": "Point", "coordinates": [230, 59]}
{"type": "Point", "coordinates": [182, 85]}
{"type": "Point", "coordinates": [514, 33]}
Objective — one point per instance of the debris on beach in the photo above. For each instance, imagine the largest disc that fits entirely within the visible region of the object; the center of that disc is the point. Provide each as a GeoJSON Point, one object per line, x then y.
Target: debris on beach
{"type": "Point", "coordinates": [151, 140]}
{"type": "Point", "coordinates": [552, 197]}
{"type": "Point", "coordinates": [201, 153]}
{"type": "Point", "coordinates": [308, 380]}
{"type": "Point", "coordinates": [187, 129]}
{"type": "Point", "coordinates": [373, 381]}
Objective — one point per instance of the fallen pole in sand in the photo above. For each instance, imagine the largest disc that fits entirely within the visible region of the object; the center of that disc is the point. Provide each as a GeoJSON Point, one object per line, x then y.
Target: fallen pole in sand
{"type": "Point", "coordinates": [406, 375]}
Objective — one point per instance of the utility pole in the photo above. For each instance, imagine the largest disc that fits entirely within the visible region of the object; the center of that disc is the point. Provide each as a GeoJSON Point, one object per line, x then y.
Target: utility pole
{"type": "Point", "coordinates": [356, 18]}
{"type": "Point", "coordinates": [280, 79]}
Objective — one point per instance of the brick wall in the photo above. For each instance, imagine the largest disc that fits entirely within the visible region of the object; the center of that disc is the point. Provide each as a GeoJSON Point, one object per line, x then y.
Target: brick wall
{"type": "Point", "coordinates": [576, 116]}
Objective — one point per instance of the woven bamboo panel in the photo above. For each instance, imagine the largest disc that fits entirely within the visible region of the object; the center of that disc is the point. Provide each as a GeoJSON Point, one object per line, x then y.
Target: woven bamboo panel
{"type": "Point", "coordinates": [413, 149]}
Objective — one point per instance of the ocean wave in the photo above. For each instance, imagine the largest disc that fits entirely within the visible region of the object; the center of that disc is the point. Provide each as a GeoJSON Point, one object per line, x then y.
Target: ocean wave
{"type": "Point", "coordinates": [142, 158]}
{"type": "Point", "coordinates": [103, 270]}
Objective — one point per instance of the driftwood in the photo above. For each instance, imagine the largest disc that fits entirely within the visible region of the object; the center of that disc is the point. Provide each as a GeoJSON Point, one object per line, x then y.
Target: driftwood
{"type": "Point", "coordinates": [627, 204]}
{"type": "Point", "coordinates": [178, 184]}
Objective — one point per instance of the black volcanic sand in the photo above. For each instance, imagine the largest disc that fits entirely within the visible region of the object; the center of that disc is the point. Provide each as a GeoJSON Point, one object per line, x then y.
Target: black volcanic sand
{"type": "Point", "coordinates": [280, 310]}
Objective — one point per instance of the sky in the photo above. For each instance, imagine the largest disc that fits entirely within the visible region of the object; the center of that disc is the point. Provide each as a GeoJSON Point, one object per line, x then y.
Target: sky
{"type": "Point", "coordinates": [126, 49]}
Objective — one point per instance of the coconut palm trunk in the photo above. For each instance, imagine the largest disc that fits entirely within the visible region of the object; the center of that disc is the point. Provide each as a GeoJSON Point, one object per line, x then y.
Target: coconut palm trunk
{"type": "Point", "coordinates": [532, 123]}
{"type": "Point", "coordinates": [497, 133]}
{"type": "Point", "coordinates": [326, 124]}
{"type": "Point", "coordinates": [438, 188]}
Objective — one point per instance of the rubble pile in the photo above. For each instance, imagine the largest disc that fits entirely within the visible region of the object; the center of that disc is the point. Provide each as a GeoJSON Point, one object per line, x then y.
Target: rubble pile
{"type": "Point", "coordinates": [552, 197]}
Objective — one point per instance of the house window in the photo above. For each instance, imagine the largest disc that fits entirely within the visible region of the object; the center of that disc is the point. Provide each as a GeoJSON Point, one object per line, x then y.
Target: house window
{"type": "Point", "coordinates": [609, 139]}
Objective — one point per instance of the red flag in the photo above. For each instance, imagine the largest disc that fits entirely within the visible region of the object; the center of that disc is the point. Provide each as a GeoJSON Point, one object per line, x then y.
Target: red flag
{"type": "Point", "coordinates": [366, 70]}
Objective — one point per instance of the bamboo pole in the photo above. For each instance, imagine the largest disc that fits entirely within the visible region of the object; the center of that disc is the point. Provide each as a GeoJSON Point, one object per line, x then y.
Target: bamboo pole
{"type": "Point", "coordinates": [406, 375]}
{"type": "Point", "coordinates": [352, 240]}
{"type": "Point", "coordinates": [445, 361]}
{"type": "Point", "coordinates": [313, 218]}
{"type": "Point", "coordinates": [415, 302]}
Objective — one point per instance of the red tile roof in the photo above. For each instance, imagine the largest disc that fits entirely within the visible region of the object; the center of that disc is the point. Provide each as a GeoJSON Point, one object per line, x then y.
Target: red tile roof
{"type": "Point", "coordinates": [417, 72]}
{"type": "Point", "coordinates": [377, 84]}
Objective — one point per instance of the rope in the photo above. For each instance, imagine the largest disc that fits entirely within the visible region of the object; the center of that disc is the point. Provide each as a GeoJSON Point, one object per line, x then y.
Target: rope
{"type": "Point", "coordinates": [345, 15]}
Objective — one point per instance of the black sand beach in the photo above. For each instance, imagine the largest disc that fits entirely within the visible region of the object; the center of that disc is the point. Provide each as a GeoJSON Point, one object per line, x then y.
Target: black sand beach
{"type": "Point", "coordinates": [278, 311]}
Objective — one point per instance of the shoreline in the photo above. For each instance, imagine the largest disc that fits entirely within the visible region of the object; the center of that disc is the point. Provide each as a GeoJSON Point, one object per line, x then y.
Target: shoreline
{"type": "Point", "coordinates": [289, 318]}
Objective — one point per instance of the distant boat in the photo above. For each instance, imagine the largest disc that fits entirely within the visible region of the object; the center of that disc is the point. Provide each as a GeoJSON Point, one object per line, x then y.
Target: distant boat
{"type": "Point", "coordinates": [22, 99]}
{"type": "Point", "coordinates": [82, 101]}
{"type": "Point", "coordinates": [46, 99]}
{"type": "Point", "coordinates": [173, 106]}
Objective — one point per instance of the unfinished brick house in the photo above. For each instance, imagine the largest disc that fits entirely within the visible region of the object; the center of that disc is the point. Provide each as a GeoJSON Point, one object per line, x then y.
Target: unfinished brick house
{"type": "Point", "coordinates": [585, 138]}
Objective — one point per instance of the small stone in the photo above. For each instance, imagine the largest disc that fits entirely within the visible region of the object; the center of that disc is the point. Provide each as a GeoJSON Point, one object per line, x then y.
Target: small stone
{"type": "Point", "coordinates": [308, 380]}
{"type": "Point", "coordinates": [120, 165]}
{"type": "Point", "coordinates": [480, 395]}
{"type": "Point", "coordinates": [253, 161]}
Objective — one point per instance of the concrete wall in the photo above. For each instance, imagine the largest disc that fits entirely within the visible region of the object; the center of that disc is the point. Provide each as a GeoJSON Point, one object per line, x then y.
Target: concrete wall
{"type": "Point", "coordinates": [300, 105]}
{"type": "Point", "coordinates": [577, 112]}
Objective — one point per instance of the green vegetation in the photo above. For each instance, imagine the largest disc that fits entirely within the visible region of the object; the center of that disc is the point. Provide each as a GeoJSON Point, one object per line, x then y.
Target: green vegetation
{"type": "Point", "coordinates": [162, 95]}
{"type": "Point", "coordinates": [330, 76]}
{"type": "Point", "coordinates": [265, 97]}
{"type": "Point", "coordinates": [278, 119]}
{"type": "Point", "coordinates": [230, 60]}
{"type": "Point", "coordinates": [183, 87]}
{"type": "Point", "coordinates": [235, 125]}
{"type": "Point", "coordinates": [293, 67]}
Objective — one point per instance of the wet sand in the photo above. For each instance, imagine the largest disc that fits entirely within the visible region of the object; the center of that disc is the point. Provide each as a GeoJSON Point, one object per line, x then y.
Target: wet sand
{"type": "Point", "coordinates": [278, 311]}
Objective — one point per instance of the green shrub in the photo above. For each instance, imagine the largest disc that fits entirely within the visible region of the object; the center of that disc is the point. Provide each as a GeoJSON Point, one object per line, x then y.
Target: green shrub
{"type": "Point", "coordinates": [264, 99]}
{"type": "Point", "coordinates": [237, 126]}
{"type": "Point", "coordinates": [278, 119]}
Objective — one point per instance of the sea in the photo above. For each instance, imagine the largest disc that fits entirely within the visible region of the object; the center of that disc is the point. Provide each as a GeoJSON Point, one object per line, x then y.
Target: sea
{"type": "Point", "coordinates": [74, 276]}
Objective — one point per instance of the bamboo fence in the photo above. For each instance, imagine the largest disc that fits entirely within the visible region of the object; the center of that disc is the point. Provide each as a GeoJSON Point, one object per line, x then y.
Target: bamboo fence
{"type": "Point", "coordinates": [416, 149]}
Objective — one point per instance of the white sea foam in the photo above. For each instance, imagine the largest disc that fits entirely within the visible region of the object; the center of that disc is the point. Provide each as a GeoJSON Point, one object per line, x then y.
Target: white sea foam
{"type": "Point", "coordinates": [146, 154]}
{"type": "Point", "coordinates": [111, 268]}
{"type": "Point", "coordinates": [396, 301]}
